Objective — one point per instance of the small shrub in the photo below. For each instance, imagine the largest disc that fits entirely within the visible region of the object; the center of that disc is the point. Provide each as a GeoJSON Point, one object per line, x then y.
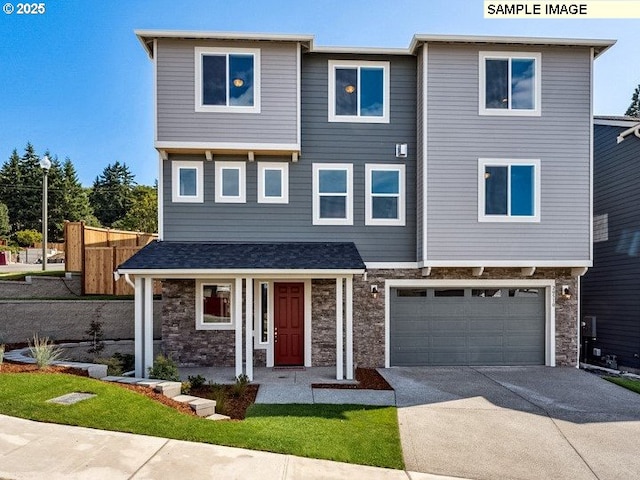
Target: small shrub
{"type": "Point", "coordinates": [1, 354]}
{"type": "Point", "coordinates": [239, 388]}
{"type": "Point", "coordinates": [185, 388]}
{"type": "Point", "coordinates": [114, 365]}
{"type": "Point", "coordinates": [221, 402]}
{"type": "Point", "coordinates": [128, 361]}
{"type": "Point", "coordinates": [164, 369]}
{"type": "Point", "coordinates": [96, 334]}
{"type": "Point", "coordinates": [43, 351]}
{"type": "Point", "coordinates": [197, 381]}
{"type": "Point", "coordinates": [26, 238]}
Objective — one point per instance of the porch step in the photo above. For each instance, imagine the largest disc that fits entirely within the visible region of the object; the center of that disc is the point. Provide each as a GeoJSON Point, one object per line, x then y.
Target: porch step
{"type": "Point", "coordinates": [168, 389]}
{"type": "Point", "coordinates": [202, 406]}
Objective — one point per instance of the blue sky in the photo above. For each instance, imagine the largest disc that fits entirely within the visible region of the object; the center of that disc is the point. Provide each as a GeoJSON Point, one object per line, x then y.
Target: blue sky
{"type": "Point", "coordinates": [77, 82]}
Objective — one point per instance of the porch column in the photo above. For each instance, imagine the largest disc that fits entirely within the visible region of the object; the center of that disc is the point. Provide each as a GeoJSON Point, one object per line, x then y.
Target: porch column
{"type": "Point", "coordinates": [349, 320]}
{"type": "Point", "coordinates": [237, 318]}
{"type": "Point", "coordinates": [339, 330]}
{"type": "Point", "coordinates": [138, 331]}
{"type": "Point", "coordinates": [249, 327]}
{"type": "Point", "coordinates": [148, 325]}
{"type": "Point", "coordinates": [143, 325]}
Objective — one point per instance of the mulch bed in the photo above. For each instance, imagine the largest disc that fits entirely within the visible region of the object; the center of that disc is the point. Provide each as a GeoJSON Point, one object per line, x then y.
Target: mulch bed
{"type": "Point", "coordinates": [11, 367]}
{"type": "Point", "coordinates": [367, 378]}
{"type": "Point", "coordinates": [234, 406]}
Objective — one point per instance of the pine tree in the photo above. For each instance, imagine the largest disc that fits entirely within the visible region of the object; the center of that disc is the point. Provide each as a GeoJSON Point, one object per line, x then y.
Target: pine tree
{"type": "Point", "coordinates": [112, 193]}
{"type": "Point", "coordinates": [634, 108]}
{"type": "Point", "coordinates": [5, 227]}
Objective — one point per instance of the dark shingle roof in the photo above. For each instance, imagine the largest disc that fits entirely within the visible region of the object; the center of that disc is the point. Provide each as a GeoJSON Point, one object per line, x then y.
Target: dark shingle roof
{"type": "Point", "coordinates": [218, 256]}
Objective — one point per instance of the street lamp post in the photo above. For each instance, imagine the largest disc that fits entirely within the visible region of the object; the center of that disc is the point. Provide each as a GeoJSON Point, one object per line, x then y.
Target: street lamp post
{"type": "Point", "coordinates": [45, 164]}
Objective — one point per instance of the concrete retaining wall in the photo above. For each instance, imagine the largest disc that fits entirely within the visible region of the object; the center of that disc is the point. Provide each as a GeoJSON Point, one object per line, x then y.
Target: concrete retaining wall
{"type": "Point", "coordinates": [42, 287]}
{"type": "Point", "coordinates": [69, 319]}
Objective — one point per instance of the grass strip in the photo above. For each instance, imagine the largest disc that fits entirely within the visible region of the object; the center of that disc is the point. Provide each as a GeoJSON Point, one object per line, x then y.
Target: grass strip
{"type": "Point", "coordinates": [629, 384]}
{"type": "Point", "coordinates": [347, 433]}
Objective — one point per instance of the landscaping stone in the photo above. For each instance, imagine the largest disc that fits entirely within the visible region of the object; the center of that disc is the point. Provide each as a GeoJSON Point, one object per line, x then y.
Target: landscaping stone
{"type": "Point", "coordinates": [169, 389]}
{"type": "Point", "coordinates": [71, 398]}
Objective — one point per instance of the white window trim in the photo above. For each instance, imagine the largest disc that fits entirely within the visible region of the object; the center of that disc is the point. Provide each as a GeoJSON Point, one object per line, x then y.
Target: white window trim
{"type": "Point", "coordinates": [200, 324]}
{"type": "Point", "coordinates": [501, 162]}
{"type": "Point", "coordinates": [283, 168]}
{"type": "Point", "coordinates": [483, 110]}
{"type": "Point", "coordinates": [368, 204]}
{"type": "Point", "coordinates": [199, 52]}
{"type": "Point", "coordinates": [242, 180]}
{"type": "Point", "coordinates": [258, 344]}
{"type": "Point", "coordinates": [333, 64]}
{"type": "Point", "coordinates": [317, 167]}
{"type": "Point", "coordinates": [176, 166]}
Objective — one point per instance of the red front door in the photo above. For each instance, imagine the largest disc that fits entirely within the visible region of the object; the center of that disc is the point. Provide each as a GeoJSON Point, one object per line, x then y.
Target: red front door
{"type": "Point", "coordinates": [288, 306]}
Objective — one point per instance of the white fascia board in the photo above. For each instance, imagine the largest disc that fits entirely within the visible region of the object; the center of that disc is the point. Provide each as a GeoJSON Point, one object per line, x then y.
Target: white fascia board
{"type": "Point", "coordinates": [601, 45]}
{"type": "Point", "coordinates": [391, 265]}
{"type": "Point", "coordinates": [616, 121]}
{"type": "Point", "coordinates": [362, 51]}
{"type": "Point", "coordinates": [508, 263]}
{"type": "Point", "coordinates": [243, 272]}
{"type": "Point", "coordinates": [488, 282]}
{"type": "Point", "coordinates": [218, 147]}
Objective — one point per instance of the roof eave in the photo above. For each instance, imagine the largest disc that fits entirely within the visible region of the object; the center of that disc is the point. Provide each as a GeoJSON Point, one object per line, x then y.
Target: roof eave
{"type": "Point", "coordinates": [600, 45]}
{"type": "Point", "coordinates": [237, 272]}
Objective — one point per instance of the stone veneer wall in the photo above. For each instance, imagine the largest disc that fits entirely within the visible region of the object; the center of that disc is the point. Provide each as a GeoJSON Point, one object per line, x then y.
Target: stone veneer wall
{"type": "Point", "coordinates": [181, 341]}
{"type": "Point", "coordinates": [191, 347]}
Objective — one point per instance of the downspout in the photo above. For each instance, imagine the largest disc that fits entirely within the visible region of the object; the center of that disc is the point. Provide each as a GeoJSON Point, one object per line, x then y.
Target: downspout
{"type": "Point", "coordinates": [635, 130]}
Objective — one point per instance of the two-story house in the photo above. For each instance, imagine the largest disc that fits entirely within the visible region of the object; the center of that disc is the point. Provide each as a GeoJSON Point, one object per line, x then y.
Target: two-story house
{"type": "Point", "coordinates": [368, 207]}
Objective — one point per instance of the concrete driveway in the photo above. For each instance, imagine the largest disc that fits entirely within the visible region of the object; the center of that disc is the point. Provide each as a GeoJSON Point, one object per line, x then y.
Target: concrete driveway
{"type": "Point", "coordinates": [516, 423]}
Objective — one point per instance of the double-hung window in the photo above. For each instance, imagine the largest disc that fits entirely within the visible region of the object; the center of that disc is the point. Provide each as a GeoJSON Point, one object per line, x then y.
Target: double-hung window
{"type": "Point", "coordinates": [273, 182]}
{"type": "Point", "coordinates": [510, 83]}
{"type": "Point", "coordinates": [227, 80]}
{"type": "Point", "coordinates": [358, 91]}
{"type": "Point", "coordinates": [332, 194]}
{"type": "Point", "coordinates": [187, 182]}
{"type": "Point", "coordinates": [509, 190]}
{"type": "Point", "coordinates": [230, 182]}
{"type": "Point", "coordinates": [214, 305]}
{"type": "Point", "coordinates": [385, 194]}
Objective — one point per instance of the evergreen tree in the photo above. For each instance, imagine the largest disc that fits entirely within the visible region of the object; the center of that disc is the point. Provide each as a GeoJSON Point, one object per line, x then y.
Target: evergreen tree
{"type": "Point", "coordinates": [5, 227]}
{"type": "Point", "coordinates": [634, 108]}
{"type": "Point", "coordinates": [143, 214]}
{"type": "Point", "coordinates": [112, 193]}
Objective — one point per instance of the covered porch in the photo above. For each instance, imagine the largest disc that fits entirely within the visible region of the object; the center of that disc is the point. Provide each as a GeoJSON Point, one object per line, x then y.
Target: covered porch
{"type": "Point", "coordinates": [250, 300]}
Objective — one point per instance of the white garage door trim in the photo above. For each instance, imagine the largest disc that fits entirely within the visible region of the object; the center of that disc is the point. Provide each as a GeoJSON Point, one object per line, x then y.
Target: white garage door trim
{"type": "Point", "coordinates": [550, 306]}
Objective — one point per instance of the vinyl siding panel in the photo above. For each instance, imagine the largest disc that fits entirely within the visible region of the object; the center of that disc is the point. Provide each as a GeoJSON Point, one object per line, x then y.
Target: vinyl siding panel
{"type": "Point", "coordinates": [457, 136]}
{"type": "Point", "coordinates": [322, 142]}
{"type": "Point", "coordinates": [611, 289]}
{"type": "Point", "coordinates": [178, 121]}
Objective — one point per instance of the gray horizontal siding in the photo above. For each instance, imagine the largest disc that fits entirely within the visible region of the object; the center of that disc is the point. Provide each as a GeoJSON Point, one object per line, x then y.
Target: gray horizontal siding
{"type": "Point", "coordinates": [457, 136]}
{"type": "Point", "coordinates": [322, 142]}
{"type": "Point", "coordinates": [178, 121]}
{"type": "Point", "coordinates": [610, 289]}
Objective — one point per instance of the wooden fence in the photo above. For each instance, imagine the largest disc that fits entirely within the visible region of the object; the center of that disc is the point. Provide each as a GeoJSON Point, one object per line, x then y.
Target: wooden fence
{"type": "Point", "coordinates": [97, 252]}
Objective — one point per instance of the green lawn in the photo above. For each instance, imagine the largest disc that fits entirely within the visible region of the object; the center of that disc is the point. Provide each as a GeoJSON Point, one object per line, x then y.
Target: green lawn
{"type": "Point", "coordinates": [633, 385]}
{"type": "Point", "coordinates": [346, 433]}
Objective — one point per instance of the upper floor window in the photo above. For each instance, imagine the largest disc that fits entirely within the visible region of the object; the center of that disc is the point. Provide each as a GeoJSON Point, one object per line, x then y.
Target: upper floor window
{"type": "Point", "coordinates": [230, 182]}
{"type": "Point", "coordinates": [273, 182]}
{"type": "Point", "coordinates": [509, 190]}
{"type": "Point", "coordinates": [385, 197]}
{"type": "Point", "coordinates": [510, 83]}
{"type": "Point", "coordinates": [358, 91]}
{"type": "Point", "coordinates": [332, 194]}
{"type": "Point", "coordinates": [227, 80]}
{"type": "Point", "coordinates": [187, 182]}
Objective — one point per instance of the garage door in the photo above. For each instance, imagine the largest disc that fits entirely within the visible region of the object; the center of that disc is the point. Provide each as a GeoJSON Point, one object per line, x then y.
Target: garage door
{"type": "Point", "coordinates": [467, 326]}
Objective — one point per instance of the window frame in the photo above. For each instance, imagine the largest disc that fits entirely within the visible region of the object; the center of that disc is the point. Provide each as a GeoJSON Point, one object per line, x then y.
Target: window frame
{"type": "Point", "coordinates": [200, 52]}
{"type": "Point", "coordinates": [386, 89]}
{"type": "Point", "coordinates": [283, 168]}
{"type": "Point", "coordinates": [317, 168]}
{"type": "Point", "coordinates": [510, 56]}
{"type": "Point", "coordinates": [176, 166]}
{"type": "Point", "coordinates": [200, 323]}
{"type": "Point", "coordinates": [242, 182]}
{"type": "Point", "coordinates": [369, 195]}
{"type": "Point", "coordinates": [500, 162]}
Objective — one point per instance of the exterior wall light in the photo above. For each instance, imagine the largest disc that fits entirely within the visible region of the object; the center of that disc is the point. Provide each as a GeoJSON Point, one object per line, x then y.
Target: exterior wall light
{"type": "Point", "coordinates": [566, 292]}
{"type": "Point", "coordinates": [374, 291]}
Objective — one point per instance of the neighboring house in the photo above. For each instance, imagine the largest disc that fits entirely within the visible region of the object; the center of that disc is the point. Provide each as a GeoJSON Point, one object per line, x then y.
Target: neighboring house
{"type": "Point", "coordinates": [368, 207]}
{"type": "Point", "coordinates": [610, 293]}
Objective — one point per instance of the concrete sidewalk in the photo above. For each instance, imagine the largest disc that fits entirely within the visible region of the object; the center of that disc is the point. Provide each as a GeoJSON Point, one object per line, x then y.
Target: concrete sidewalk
{"type": "Point", "coordinates": [32, 450]}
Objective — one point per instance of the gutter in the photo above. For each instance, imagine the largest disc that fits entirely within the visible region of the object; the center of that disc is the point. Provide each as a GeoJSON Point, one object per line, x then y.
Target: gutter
{"type": "Point", "coordinates": [635, 130]}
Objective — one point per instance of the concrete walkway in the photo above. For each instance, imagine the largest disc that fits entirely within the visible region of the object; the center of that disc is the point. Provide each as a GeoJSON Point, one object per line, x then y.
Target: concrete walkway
{"type": "Point", "coordinates": [31, 450]}
{"type": "Point", "coordinates": [518, 423]}
{"type": "Point", "coordinates": [295, 385]}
